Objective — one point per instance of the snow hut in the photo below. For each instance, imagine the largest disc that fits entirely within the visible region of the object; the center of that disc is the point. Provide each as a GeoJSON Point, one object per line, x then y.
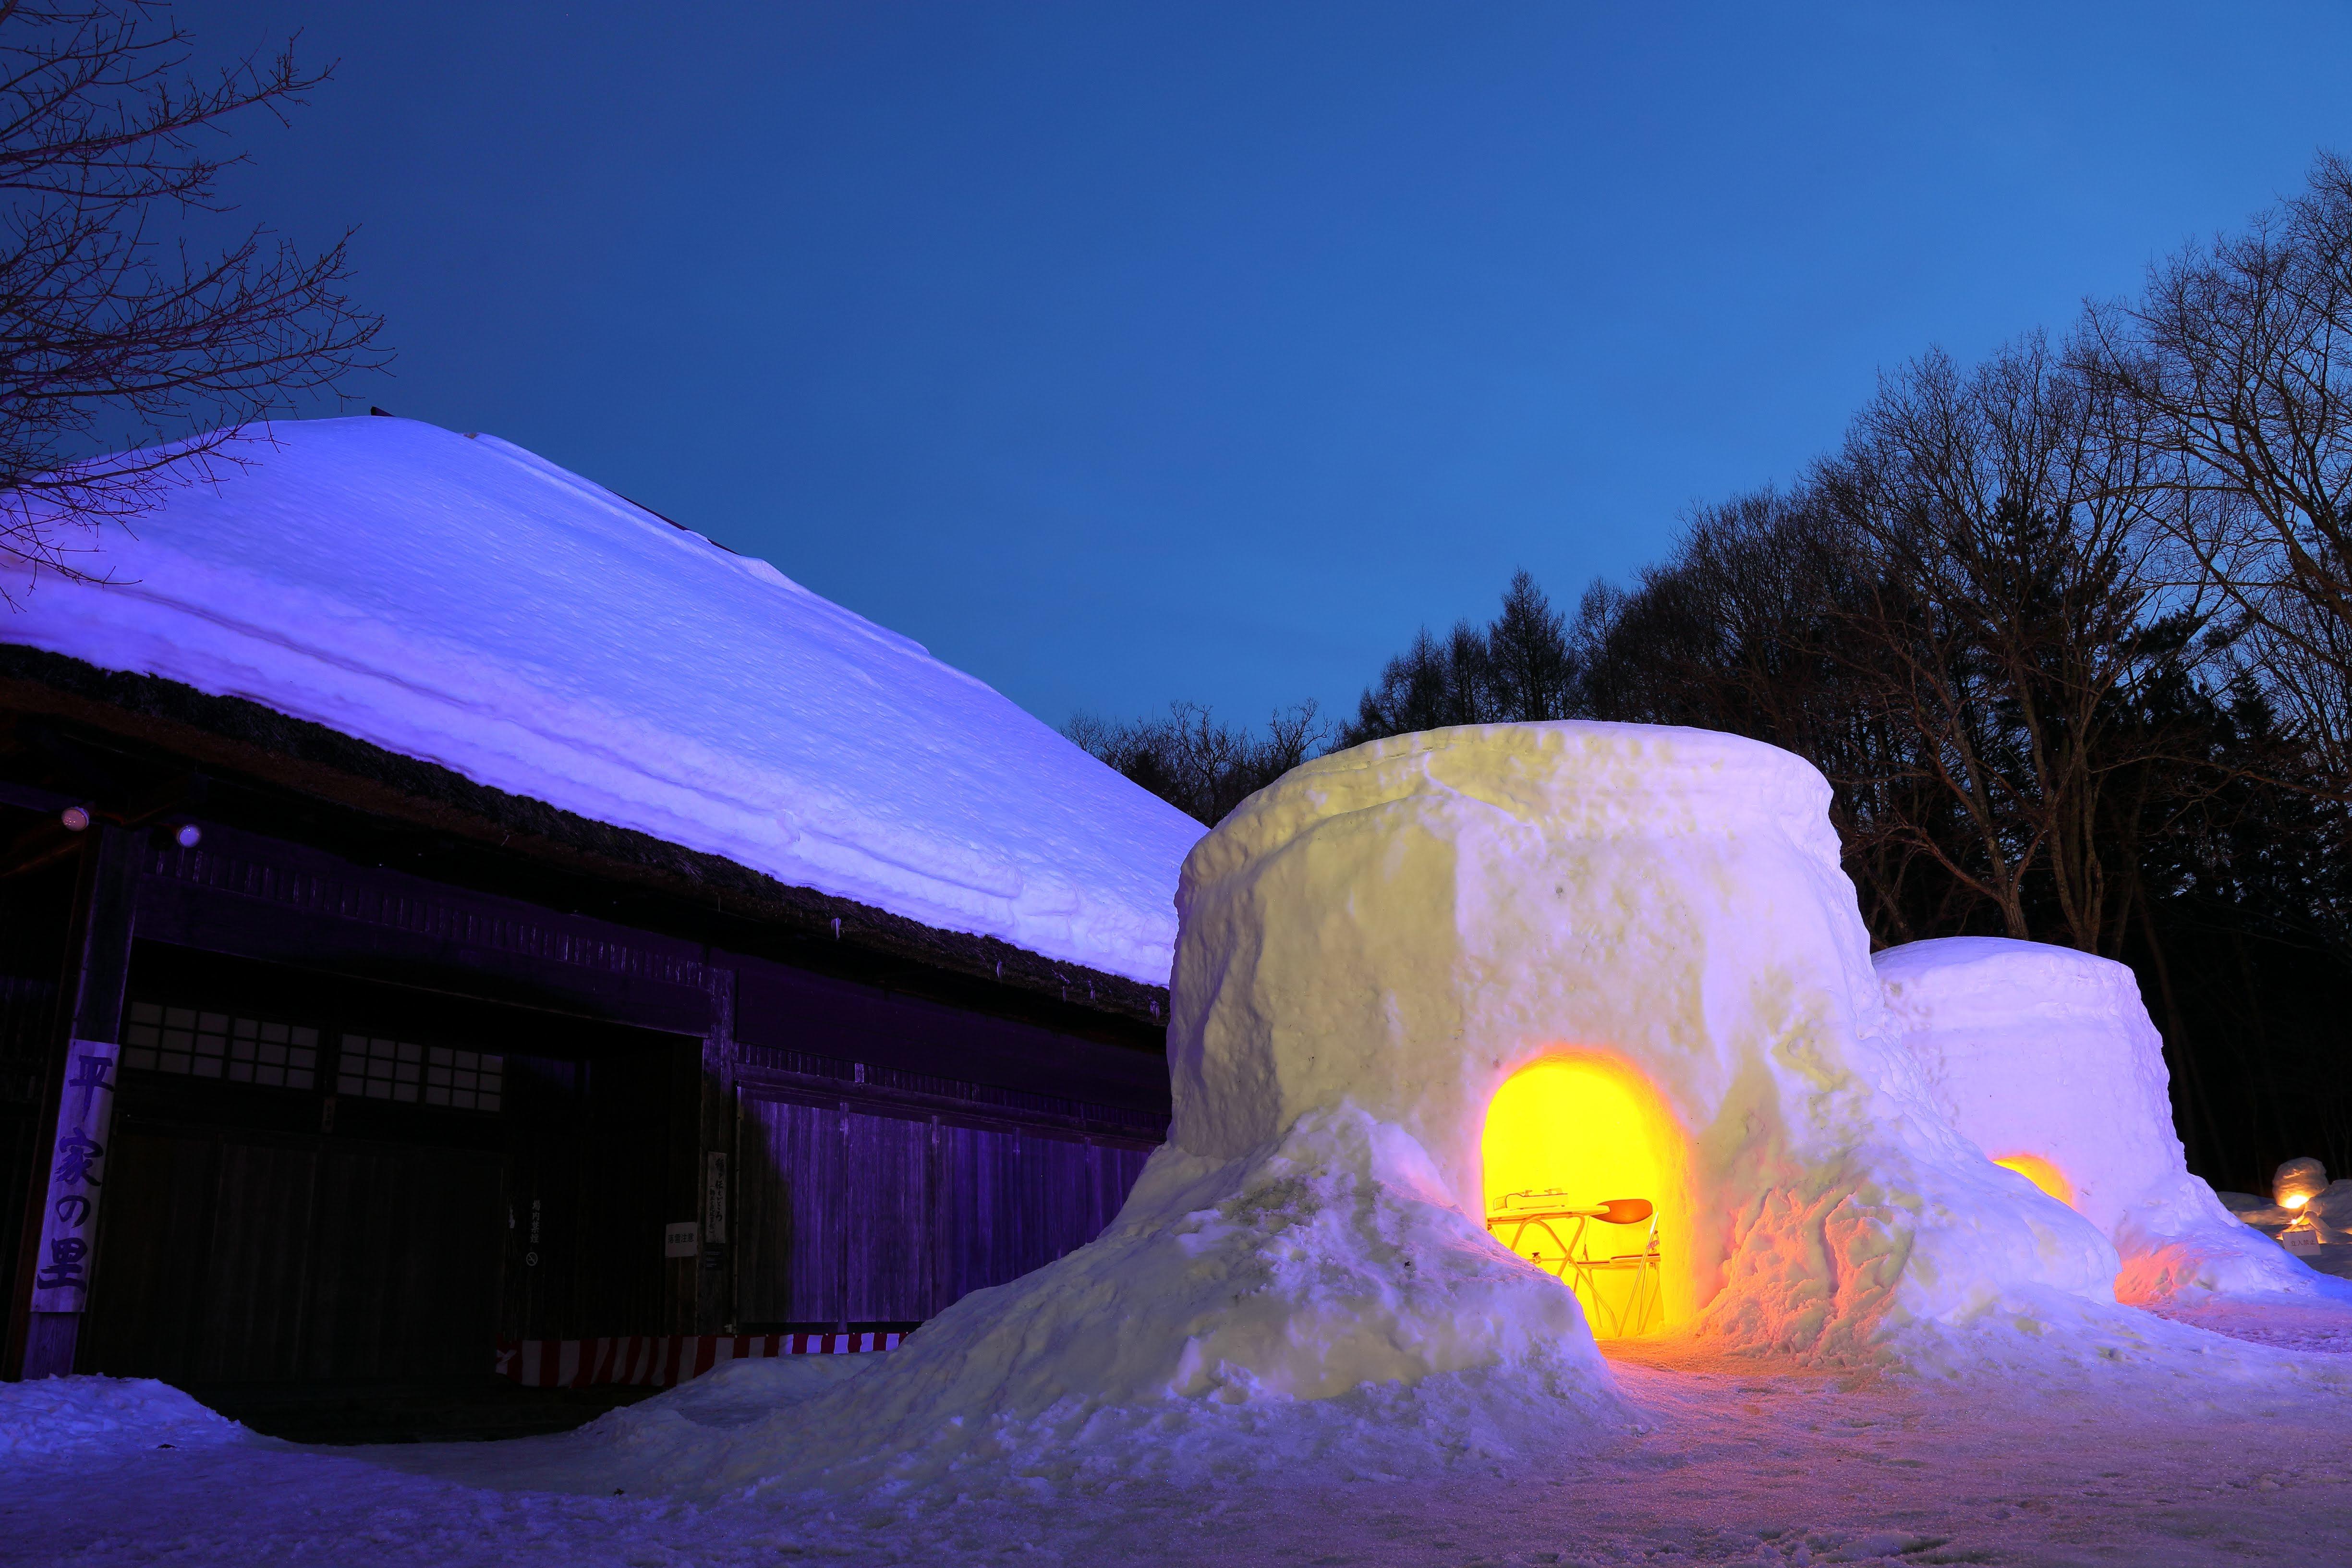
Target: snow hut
{"type": "Point", "coordinates": [489, 911]}
{"type": "Point", "coordinates": [1622, 943]}
{"type": "Point", "coordinates": [2045, 1059]}
{"type": "Point", "coordinates": [1597, 993]}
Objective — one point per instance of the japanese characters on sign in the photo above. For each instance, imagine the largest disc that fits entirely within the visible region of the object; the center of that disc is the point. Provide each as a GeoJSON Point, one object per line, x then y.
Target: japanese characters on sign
{"type": "Point", "coordinates": [714, 1197]}
{"type": "Point", "coordinates": [76, 1163]}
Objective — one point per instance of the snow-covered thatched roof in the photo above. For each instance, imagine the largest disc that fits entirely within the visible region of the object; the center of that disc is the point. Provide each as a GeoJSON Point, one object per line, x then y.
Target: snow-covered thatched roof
{"type": "Point", "coordinates": [456, 600]}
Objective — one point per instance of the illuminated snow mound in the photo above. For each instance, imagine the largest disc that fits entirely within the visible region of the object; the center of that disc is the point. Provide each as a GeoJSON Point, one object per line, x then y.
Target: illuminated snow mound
{"type": "Point", "coordinates": [458, 600]}
{"type": "Point", "coordinates": [1319, 1298]}
{"type": "Point", "coordinates": [1403, 927]}
{"type": "Point", "coordinates": [2048, 1054]}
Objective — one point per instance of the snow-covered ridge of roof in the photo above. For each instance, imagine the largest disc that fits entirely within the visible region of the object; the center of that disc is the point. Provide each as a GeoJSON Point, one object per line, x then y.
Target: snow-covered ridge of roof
{"type": "Point", "coordinates": [458, 600]}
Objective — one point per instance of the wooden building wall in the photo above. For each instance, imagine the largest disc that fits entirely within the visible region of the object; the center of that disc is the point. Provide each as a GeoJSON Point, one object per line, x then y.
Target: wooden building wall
{"type": "Point", "coordinates": [878, 1155]}
{"type": "Point", "coordinates": [857, 1214]}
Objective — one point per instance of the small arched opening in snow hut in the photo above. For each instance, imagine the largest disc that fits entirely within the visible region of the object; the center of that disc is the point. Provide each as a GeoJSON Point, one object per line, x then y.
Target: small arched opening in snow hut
{"type": "Point", "coordinates": [1585, 1177]}
{"type": "Point", "coordinates": [2041, 1172]}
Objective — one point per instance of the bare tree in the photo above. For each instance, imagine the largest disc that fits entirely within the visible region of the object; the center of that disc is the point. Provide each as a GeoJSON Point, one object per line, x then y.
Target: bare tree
{"type": "Point", "coordinates": [1518, 669]}
{"type": "Point", "coordinates": [115, 329]}
{"type": "Point", "coordinates": [2241, 351]}
{"type": "Point", "coordinates": [2018, 615]}
{"type": "Point", "coordinates": [1196, 764]}
{"type": "Point", "coordinates": [1751, 626]}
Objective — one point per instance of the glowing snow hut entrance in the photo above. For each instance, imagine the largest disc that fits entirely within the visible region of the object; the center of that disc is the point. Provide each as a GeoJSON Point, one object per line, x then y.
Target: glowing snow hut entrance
{"type": "Point", "coordinates": [1583, 1178]}
{"type": "Point", "coordinates": [2042, 1173]}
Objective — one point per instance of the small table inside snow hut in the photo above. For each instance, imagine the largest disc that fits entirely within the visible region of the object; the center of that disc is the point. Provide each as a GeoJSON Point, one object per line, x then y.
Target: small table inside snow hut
{"type": "Point", "coordinates": [1640, 1305]}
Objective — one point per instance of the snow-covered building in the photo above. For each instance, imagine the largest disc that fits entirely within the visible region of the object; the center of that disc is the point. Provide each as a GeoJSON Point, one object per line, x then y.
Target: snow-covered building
{"type": "Point", "coordinates": [497, 912]}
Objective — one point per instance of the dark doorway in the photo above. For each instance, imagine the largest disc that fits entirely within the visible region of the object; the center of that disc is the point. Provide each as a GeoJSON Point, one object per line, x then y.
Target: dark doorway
{"type": "Point", "coordinates": [322, 1178]}
{"type": "Point", "coordinates": [236, 1257]}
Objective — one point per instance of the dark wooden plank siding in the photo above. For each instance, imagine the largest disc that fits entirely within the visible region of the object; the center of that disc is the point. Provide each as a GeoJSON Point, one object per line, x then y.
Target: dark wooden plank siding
{"type": "Point", "coordinates": [1115, 1177]}
{"type": "Point", "coordinates": [788, 1178]}
{"type": "Point", "coordinates": [787, 1009]}
{"type": "Point", "coordinates": [865, 1214]}
{"type": "Point", "coordinates": [260, 898]}
{"type": "Point", "coordinates": [252, 1300]}
{"type": "Point", "coordinates": [153, 1253]}
{"type": "Point", "coordinates": [235, 1261]}
{"type": "Point", "coordinates": [404, 1260]}
{"type": "Point", "coordinates": [886, 1225]}
{"type": "Point", "coordinates": [886, 1153]}
{"type": "Point", "coordinates": [975, 1211]}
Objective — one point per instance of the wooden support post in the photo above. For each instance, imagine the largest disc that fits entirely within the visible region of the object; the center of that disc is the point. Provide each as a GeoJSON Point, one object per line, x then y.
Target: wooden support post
{"type": "Point", "coordinates": [52, 1298]}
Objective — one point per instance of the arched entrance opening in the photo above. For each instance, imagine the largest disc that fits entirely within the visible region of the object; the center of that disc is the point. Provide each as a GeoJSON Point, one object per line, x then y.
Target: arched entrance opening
{"type": "Point", "coordinates": [1585, 1177]}
{"type": "Point", "coordinates": [2042, 1173]}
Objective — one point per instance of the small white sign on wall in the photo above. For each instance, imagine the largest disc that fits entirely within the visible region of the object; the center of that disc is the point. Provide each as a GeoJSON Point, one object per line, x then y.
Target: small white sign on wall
{"type": "Point", "coordinates": [681, 1240]}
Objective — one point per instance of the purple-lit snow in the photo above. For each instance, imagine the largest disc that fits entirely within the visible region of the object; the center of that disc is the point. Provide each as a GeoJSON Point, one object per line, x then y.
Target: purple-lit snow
{"type": "Point", "coordinates": [457, 599]}
{"type": "Point", "coordinates": [1717, 1463]}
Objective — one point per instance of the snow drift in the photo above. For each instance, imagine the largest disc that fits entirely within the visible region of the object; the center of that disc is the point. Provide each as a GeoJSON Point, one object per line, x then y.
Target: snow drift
{"type": "Point", "coordinates": [1319, 1300]}
{"type": "Point", "coordinates": [456, 599]}
{"type": "Point", "coordinates": [2048, 1053]}
{"type": "Point", "coordinates": [79, 1418]}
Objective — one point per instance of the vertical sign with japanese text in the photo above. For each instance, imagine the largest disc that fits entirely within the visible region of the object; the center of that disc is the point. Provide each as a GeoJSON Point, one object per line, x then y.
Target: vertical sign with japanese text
{"type": "Point", "coordinates": [76, 1165]}
{"type": "Point", "coordinates": [714, 1197]}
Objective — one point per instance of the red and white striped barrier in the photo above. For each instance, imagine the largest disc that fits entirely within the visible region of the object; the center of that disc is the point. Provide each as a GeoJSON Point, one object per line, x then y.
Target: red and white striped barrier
{"type": "Point", "coordinates": [660, 1360]}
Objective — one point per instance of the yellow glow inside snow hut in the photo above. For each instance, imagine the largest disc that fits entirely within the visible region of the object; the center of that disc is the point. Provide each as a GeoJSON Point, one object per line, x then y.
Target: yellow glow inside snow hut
{"type": "Point", "coordinates": [2042, 1173]}
{"type": "Point", "coordinates": [1584, 1178]}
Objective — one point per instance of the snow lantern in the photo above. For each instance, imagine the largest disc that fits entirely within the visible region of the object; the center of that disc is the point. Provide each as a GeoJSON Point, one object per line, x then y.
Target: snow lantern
{"type": "Point", "coordinates": [2297, 1182]}
{"type": "Point", "coordinates": [2044, 1058]}
{"type": "Point", "coordinates": [1613, 976]}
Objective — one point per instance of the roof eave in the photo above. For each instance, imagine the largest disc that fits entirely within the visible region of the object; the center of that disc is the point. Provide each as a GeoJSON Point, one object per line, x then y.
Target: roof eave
{"type": "Point", "coordinates": [236, 734]}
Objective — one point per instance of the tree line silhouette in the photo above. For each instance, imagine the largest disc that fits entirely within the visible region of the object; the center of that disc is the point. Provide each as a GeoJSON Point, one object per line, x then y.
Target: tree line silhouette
{"type": "Point", "coordinates": [2068, 631]}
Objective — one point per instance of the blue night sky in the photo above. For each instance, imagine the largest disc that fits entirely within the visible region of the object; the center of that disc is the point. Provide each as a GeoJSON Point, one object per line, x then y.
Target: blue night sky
{"type": "Point", "coordinates": [1121, 354]}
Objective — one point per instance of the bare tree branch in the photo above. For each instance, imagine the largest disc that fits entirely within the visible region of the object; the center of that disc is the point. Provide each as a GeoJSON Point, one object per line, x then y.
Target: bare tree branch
{"type": "Point", "coordinates": [109, 320]}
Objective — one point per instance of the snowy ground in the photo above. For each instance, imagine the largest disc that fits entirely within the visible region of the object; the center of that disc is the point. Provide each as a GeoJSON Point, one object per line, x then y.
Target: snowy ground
{"type": "Point", "coordinates": [1728, 1464]}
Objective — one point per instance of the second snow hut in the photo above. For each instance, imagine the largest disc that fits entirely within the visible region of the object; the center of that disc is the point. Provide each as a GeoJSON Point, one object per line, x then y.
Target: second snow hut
{"type": "Point", "coordinates": [2045, 1059]}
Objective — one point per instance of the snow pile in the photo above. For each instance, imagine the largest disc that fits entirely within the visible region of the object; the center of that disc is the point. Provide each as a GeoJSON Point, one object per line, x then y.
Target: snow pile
{"type": "Point", "coordinates": [52, 1417]}
{"type": "Point", "coordinates": [1407, 924]}
{"type": "Point", "coordinates": [1318, 1300]}
{"type": "Point", "coordinates": [458, 600]}
{"type": "Point", "coordinates": [2048, 1053]}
